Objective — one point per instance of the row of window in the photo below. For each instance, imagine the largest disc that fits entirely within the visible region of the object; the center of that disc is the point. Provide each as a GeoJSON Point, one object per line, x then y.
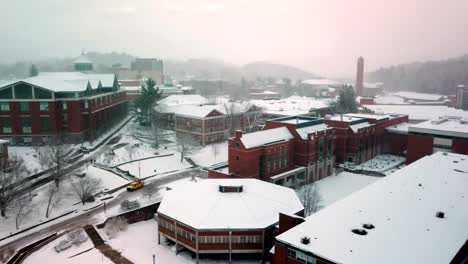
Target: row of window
{"type": "Point", "coordinates": [277, 161]}
{"type": "Point", "coordinates": [26, 124]}
{"type": "Point", "coordinates": [235, 239]}
{"type": "Point", "coordinates": [294, 254]}
{"type": "Point", "coordinates": [43, 106]}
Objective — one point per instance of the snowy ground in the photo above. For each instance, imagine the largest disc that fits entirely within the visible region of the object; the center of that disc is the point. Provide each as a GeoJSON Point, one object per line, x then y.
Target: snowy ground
{"type": "Point", "coordinates": [337, 187]}
{"type": "Point", "coordinates": [381, 163]}
{"type": "Point", "coordinates": [64, 201]}
{"type": "Point", "coordinates": [153, 166]}
{"type": "Point", "coordinates": [29, 155]}
{"type": "Point", "coordinates": [211, 154]}
{"type": "Point", "coordinates": [48, 254]}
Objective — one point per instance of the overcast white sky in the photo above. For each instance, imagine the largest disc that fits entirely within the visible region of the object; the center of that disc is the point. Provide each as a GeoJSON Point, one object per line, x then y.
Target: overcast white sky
{"type": "Point", "coordinates": [322, 36]}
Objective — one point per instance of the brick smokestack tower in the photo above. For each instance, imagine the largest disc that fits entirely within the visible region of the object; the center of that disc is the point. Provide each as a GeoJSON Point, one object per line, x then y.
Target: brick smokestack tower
{"type": "Point", "coordinates": [359, 77]}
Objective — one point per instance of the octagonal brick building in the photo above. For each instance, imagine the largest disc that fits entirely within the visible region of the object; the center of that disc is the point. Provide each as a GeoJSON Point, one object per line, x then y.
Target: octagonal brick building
{"type": "Point", "coordinates": [225, 216]}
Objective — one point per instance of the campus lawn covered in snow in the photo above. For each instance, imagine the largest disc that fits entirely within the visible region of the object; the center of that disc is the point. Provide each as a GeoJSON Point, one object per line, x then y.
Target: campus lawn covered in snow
{"type": "Point", "coordinates": [48, 255]}
{"type": "Point", "coordinates": [155, 166]}
{"type": "Point", "coordinates": [337, 187]}
{"type": "Point", "coordinates": [211, 154]}
{"type": "Point", "coordinates": [64, 201]}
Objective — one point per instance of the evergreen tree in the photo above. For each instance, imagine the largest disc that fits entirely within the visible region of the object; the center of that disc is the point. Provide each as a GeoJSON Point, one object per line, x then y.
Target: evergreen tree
{"type": "Point", "coordinates": [346, 102]}
{"type": "Point", "coordinates": [33, 71]}
{"type": "Point", "coordinates": [148, 97]}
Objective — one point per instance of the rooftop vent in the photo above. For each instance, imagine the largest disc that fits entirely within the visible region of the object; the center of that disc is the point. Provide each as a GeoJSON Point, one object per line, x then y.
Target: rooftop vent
{"type": "Point", "coordinates": [360, 232]}
{"type": "Point", "coordinates": [440, 214]}
{"type": "Point", "coordinates": [368, 226]}
{"type": "Point", "coordinates": [305, 240]}
{"type": "Point", "coordinates": [231, 189]}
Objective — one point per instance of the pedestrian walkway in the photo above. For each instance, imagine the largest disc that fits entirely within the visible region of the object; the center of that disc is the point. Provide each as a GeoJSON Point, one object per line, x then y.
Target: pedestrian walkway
{"type": "Point", "coordinates": [105, 249]}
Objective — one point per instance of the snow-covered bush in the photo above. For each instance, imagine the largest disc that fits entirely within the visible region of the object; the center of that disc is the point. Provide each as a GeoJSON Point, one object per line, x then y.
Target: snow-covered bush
{"type": "Point", "coordinates": [114, 226]}
{"type": "Point", "coordinates": [77, 237]}
{"type": "Point", "coordinates": [63, 245]}
{"type": "Point", "coordinates": [129, 205]}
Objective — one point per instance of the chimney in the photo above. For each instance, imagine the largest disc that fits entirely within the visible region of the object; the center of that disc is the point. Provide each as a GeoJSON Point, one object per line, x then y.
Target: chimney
{"type": "Point", "coordinates": [238, 134]}
{"type": "Point", "coordinates": [359, 76]}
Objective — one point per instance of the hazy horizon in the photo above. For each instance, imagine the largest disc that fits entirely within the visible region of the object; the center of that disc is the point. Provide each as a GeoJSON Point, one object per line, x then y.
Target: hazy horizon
{"type": "Point", "coordinates": [323, 37]}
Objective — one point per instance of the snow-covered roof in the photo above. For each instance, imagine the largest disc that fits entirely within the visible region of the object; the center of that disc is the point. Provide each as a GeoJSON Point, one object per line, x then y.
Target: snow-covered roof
{"type": "Point", "coordinates": [455, 127]}
{"type": "Point", "coordinates": [202, 206]}
{"type": "Point", "coordinates": [197, 111]}
{"type": "Point", "coordinates": [82, 59]}
{"type": "Point", "coordinates": [67, 81]}
{"type": "Point", "coordinates": [402, 207]}
{"type": "Point", "coordinates": [400, 128]}
{"type": "Point", "coordinates": [358, 126]}
{"type": "Point", "coordinates": [345, 118]}
{"type": "Point", "coordinates": [321, 82]}
{"type": "Point", "coordinates": [304, 131]}
{"type": "Point", "coordinates": [294, 105]}
{"type": "Point", "coordinates": [183, 99]}
{"type": "Point", "coordinates": [376, 85]}
{"type": "Point", "coordinates": [369, 116]}
{"type": "Point", "coordinates": [419, 112]}
{"type": "Point", "coordinates": [263, 137]}
{"type": "Point", "coordinates": [420, 96]}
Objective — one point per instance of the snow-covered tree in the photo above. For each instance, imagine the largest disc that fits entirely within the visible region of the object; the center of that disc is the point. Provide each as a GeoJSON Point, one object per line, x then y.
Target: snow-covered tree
{"type": "Point", "coordinates": [311, 198]}
{"type": "Point", "coordinates": [12, 172]}
{"type": "Point", "coordinates": [185, 145]}
{"type": "Point", "coordinates": [23, 207]}
{"type": "Point", "coordinates": [54, 156]}
{"type": "Point", "coordinates": [53, 199]}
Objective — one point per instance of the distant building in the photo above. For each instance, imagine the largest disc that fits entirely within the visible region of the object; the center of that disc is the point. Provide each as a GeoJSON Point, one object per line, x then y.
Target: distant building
{"type": "Point", "coordinates": [265, 95]}
{"type": "Point", "coordinates": [132, 88]}
{"type": "Point", "coordinates": [212, 123]}
{"type": "Point", "coordinates": [372, 89]}
{"type": "Point", "coordinates": [418, 214]}
{"type": "Point", "coordinates": [462, 97]}
{"type": "Point", "coordinates": [167, 107]}
{"type": "Point", "coordinates": [320, 87]}
{"type": "Point", "coordinates": [78, 105]}
{"type": "Point", "coordinates": [142, 68]}
{"type": "Point", "coordinates": [225, 216]}
{"type": "Point", "coordinates": [359, 86]}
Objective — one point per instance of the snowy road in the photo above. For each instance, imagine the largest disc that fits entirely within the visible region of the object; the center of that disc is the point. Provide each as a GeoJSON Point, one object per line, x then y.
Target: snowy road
{"type": "Point", "coordinates": [93, 216]}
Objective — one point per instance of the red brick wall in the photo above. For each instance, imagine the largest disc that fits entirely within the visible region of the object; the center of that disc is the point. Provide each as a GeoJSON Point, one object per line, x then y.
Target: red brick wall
{"type": "Point", "coordinates": [212, 174]}
{"type": "Point", "coordinates": [395, 143]}
{"type": "Point", "coordinates": [418, 147]}
{"type": "Point", "coordinates": [460, 146]}
{"type": "Point", "coordinates": [281, 257]}
{"type": "Point", "coordinates": [287, 222]}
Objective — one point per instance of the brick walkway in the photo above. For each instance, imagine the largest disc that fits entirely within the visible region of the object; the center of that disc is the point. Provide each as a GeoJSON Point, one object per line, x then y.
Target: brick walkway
{"type": "Point", "coordinates": [106, 250]}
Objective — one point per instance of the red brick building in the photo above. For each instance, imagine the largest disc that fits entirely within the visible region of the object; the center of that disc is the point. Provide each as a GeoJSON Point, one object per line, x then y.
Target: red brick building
{"type": "Point", "coordinates": [290, 151]}
{"type": "Point", "coordinates": [75, 104]}
{"type": "Point", "coordinates": [393, 220]}
{"type": "Point", "coordinates": [359, 137]}
{"type": "Point", "coordinates": [447, 134]}
{"type": "Point", "coordinates": [212, 123]}
{"type": "Point", "coordinates": [224, 216]}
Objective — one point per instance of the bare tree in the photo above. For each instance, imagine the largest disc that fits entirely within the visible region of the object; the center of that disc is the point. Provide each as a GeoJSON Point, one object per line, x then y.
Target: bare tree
{"type": "Point", "coordinates": [149, 191]}
{"type": "Point", "coordinates": [12, 171]}
{"type": "Point", "coordinates": [129, 150]}
{"type": "Point", "coordinates": [53, 156]}
{"type": "Point", "coordinates": [84, 188]}
{"type": "Point", "coordinates": [52, 199]}
{"type": "Point", "coordinates": [253, 119]}
{"type": "Point", "coordinates": [215, 149]}
{"type": "Point", "coordinates": [23, 208]}
{"type": "Point", "coordinates": [311, 198]}
{"type": "Point", "coordinates": [230, 110]}
{"type": "Point", "coordinates": [186, 143]}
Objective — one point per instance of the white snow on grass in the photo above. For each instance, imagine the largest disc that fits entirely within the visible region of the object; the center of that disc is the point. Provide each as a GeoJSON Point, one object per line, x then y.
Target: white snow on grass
{"type": "Point", "coordinates": [337, 187]}
{"type": "Point", "coordinates": [48, 255]}
{"type": "Point", "coordinates": [380, 163]}
{"type": "Point", "coordinates": [109, 180]}
{"type": "Point", "coordinates": [294, 105]}
{"type": "Point", "coordinates": [154, 166]}
{"type": "Point", "coordinates": [29, 155]}
{"type": "Point", "coordinates": [141, 250]}
{"type": "Point", "coordinates": [211, 154]}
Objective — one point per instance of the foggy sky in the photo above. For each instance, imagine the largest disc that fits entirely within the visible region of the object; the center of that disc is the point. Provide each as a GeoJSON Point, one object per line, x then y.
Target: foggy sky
{"type": "Point", "coordinates": [322, 36]}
